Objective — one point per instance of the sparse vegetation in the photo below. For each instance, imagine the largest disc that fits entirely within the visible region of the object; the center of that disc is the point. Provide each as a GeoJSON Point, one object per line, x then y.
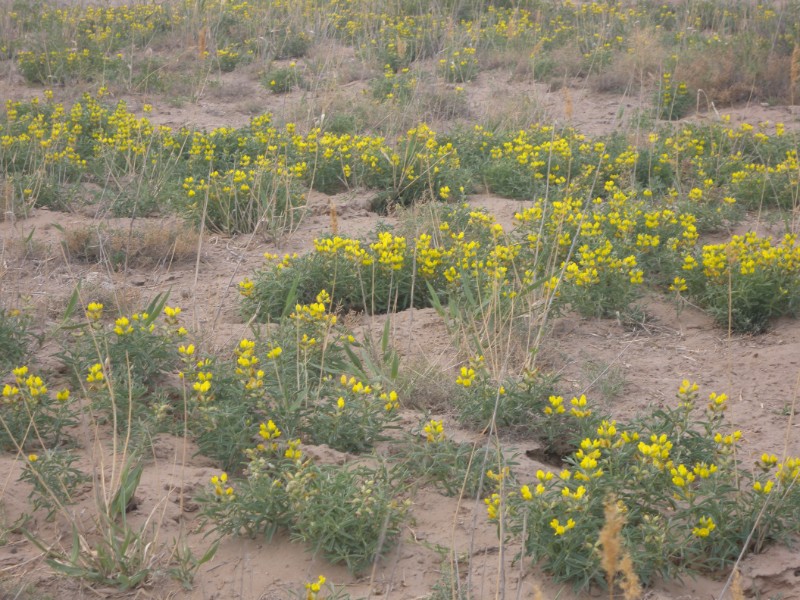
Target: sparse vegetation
{"type": "Point", "coordinates": [311, 426]}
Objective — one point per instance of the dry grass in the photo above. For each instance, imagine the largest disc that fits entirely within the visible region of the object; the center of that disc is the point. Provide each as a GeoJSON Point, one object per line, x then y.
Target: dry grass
{"type": "Point", "coordinates": [614, 559]}
{"type": "Point", "coordinates": [158, 244]}
{"type": "Point", "coordinates": [632, 71]}
{"type": "Point", "coordinates": [730, 75]}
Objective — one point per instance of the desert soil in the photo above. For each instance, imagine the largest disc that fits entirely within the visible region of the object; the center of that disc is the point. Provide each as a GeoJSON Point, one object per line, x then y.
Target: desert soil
{"type": "Point", "coordinates": [761, 374]}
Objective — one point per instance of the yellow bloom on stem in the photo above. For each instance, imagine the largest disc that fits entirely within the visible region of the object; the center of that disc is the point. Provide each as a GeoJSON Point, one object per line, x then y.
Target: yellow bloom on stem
{"type": "Point", "coordinates": [434, 431]}
{"type": "Point", "coordinates": [763, 488]}
{"type": "Point", "coordinates": [312, 589]}
{"type": "Point", "coordinates": [94, 311]}
{"type": "Point", "coordinates": [704, 527]}
{"type": "Point", "coordinates": [559, 529]}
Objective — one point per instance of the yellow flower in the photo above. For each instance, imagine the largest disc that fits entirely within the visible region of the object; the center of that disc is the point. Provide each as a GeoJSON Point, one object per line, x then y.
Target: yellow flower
{"type": "Point", "coordinates": [434, 431]}
{"type": "Point", "coordinates": [293, 451]}
{"type": "Point", "coordinates": [33, 458]}
{"type": "Point", "coordinates": [94, 311]}
{"type": "Point", "coordinates": [246, 287]}
{"type": "Point", "coordinates": [95, 374]}
{"type": "Point", "coordinates": [525, 492]}
{"type": "Point", "coordinates": [122, 326]}
{"type": "Point", "coordinates": [560, 529]}
{"type": "Point", "coordinates": [556, 405]}
{"type": "Point", "coordinates": [314, 588]}
{"type": "Point", "coordinates": [493, 506]}
{"type": "Point", "coordinates": [466, 377]}
{"type": "Point", "coordinates": [763, 489]}
{"type": "Point", "coordinates": [579, 407]}
{"type": "Point", "coordinates": [704, 527]}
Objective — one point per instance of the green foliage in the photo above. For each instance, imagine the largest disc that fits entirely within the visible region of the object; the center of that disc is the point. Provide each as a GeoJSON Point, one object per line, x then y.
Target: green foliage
{"type": "Point", "coordinates": [54, 479]}
{"type": "Point", "coordinates": [350, 514]}
{"type": "Point", "coordinates": [294, 44]}
{"type": "Point", "coordinates": [394, 87]}
{"type": "Point", "coordinates": [120, 556]}
{"type": "Point", "coordinates": [282, 80]}
{"type": "Point", "coordinates": [460, 66]}
{"type": "Point", "coordinates": [31, 416]}
{"type": "Point", "coordinates": [745, 283]}
{"type": "Point", "coordinates": [688, 503]}
{"type": "Point", "coordinates": [228, 58]}
{"type": "Point", "coordinates": [16, 337]}
{"type": "Point", "coordinates": [448, 466]}
{"type": "Point", "coordinates": [244, 201]}
{"type": "Point", "coordinates": [672, 100]}
{"type": "Point", "coordinates": [121, 364]}
{"type": "Point", "coordinates": [514, 404]}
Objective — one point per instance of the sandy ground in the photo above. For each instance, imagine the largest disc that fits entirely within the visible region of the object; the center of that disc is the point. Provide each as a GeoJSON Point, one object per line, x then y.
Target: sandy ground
{"type": "Point", "coordinates": [761, 375]}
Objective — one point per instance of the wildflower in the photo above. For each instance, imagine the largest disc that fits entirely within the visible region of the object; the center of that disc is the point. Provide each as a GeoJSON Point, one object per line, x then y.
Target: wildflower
{"type": "Point", "coordinates": [763, 488]}
{"type": "Point", "coordinates": [556, 405]}
{"type": "Point", "coordinates": [704, 527]}
{"type": "Point", "coordinates": [434, 431]}
{"type": "Point", "coordinates": [493, 506]}
{"type": "Point", "coordinates": [768, 461]}
{"type": "Point", "coordinates": [681, 476]}
{"type": "Point", "coordinates": [390, 401]}
{"type": "Point", "coordinates": [717, 403]}
{"type": "Point", "coordinates": [728, 440]}
{"type": "Point", "coordinates": [33, 458]}
{"type": "Point", "coordinates": [171, 313]}
{"type": "Point", "coordinates": [703, 470]}
{"type": "Point", "coordinates": [525, 492]}
{"type": "Point", "coordinates": [466, 377]}
{"type": "Point", "coordinates": [268, 430]}
{"type": "Point", "coordinates": [36, 386]}
{"type": "Point", "coordinates": [312, 589]}
{"type": "Point", "coordinates": [221, 489]}
{"type": "Point", "coordinates": [576, 495]}
{"type": "Point", "coordinates": [293, 451]}
{"type": "Point", "coordinates": [678, 285]}
{"type": "Point", "coordinates": [122, 326]}
{"type": "Point", "coordinates": [578, 407]}
{"type": "Point", "coordinates": [63, 395]}
{"type": "Point", "coordinates": [274, 353]}
{"type": "Point", "coordinates": [95, 375]}
{"type": "Point", "coordinates": [246, 287]}
{"type": "Point", "coordinates": [498, 477]}
{"type": "Point", "coordinates": [94, 311]}
{"type": "Point", "coordinates": [20, 373]}
{"type": "Point", "coordinates": [559, 529]}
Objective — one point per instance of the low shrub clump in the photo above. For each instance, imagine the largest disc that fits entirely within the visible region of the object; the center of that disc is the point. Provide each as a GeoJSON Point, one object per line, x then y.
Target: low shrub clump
{"type": "Point", "coordinates": [685, 501]}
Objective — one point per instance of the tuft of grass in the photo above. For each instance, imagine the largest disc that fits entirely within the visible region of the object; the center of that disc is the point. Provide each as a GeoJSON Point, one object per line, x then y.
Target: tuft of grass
{"type": "Point", "coordinates": [149, 245]}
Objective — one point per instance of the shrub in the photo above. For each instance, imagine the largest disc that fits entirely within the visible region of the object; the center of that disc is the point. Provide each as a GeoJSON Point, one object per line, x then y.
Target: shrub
{"type": "Point", "coordinates": [689, 505]}
{"type": "Point", "coordinates": [745, 283]}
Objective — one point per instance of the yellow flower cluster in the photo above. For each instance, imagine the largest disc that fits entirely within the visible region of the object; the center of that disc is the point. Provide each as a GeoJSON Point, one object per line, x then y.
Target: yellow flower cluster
{"type": "Point", "coordinates": [434, 432]}
{"type": "Point", "coordinates": [316, 312]}
{"type": "Point", "coordinates": [222, 490]}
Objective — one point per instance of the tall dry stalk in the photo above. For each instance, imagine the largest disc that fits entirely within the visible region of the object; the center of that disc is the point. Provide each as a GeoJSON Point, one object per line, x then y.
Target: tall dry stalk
{"type": "Point", "coordinates": [794, 72]}
{"type": "Point", "coordinates": [334, 219]}
{"type": "Point", "coordinates": [614, 559]}
{"type": "Point", "coordinates": [568, 106]}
